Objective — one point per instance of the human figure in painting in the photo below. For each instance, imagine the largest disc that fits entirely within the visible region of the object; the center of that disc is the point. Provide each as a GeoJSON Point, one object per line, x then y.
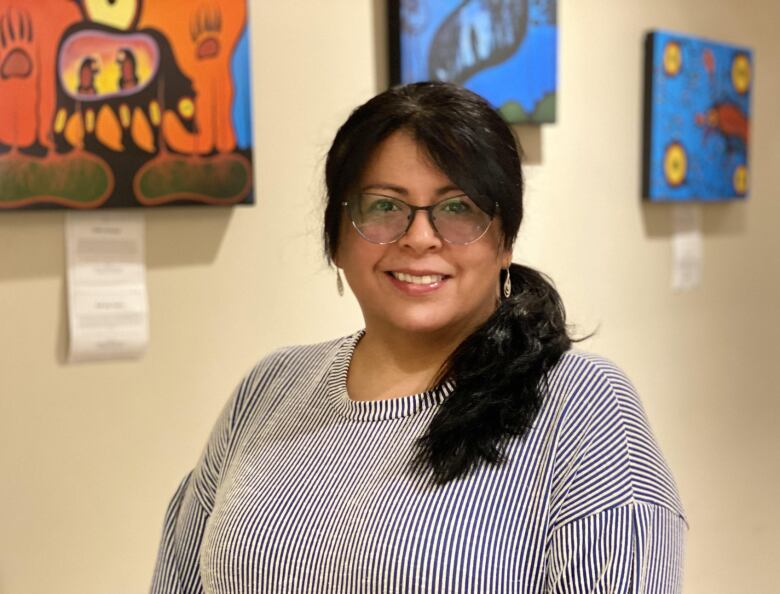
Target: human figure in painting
{"type": "Point", "coordinates": [88, 71]}
{"type": "Point", "coordinates": [128, 117]}
{"type": "Point", "coordinates": [128, 79]}
{"type": "Point", "coordinates": [455, 444]}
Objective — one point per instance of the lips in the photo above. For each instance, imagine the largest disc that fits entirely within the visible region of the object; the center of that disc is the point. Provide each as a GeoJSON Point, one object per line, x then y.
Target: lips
{"type": "Point", "coordinates": [417, 282]}
{"type": "Point", "coordinates": [415, 279]}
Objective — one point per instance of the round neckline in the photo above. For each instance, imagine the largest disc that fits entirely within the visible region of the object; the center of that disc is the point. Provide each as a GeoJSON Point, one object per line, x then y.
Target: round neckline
{"type": "Point", "coordinates": [377, 410]}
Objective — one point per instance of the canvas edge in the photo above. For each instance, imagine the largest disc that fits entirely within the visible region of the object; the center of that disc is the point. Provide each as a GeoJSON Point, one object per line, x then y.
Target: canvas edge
{"type": "Point", "coordinates": [394, 42]}
{"type": "Point", "coordinates": [647, 124]}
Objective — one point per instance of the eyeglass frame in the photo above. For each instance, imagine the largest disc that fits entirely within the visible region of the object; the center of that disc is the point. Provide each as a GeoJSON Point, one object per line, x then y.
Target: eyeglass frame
{"type": "Point", "coordinates": [429, 211]}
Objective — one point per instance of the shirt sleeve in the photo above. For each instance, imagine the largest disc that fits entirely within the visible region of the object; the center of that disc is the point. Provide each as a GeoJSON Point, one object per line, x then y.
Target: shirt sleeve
{"type": "Point", "coordinates": [632, 549]}
{"type": "Point", "coordinates": [617, 525]}
{"type": "Point", "coordinates": [177, 570]}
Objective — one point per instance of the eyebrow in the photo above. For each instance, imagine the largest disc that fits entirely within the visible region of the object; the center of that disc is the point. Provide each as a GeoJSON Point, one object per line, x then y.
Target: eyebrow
{"type": "Point", "coordinates": [404, 192]}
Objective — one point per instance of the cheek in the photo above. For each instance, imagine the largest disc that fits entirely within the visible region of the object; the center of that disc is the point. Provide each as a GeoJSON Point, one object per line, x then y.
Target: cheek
{"type": "Point", "coordinates": [484, 267]}
{"type": "Point", "coordinates": [357, 257]}
{"type": "Point", "coordinates": [488, 255]}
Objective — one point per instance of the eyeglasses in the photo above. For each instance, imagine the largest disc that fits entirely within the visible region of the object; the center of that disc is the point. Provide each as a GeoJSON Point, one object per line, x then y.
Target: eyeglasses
{"type": "Point", "coordinates": [384, 219]}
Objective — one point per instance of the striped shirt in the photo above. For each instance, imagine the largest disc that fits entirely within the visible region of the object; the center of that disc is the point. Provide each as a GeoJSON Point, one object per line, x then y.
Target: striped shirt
{"type": "Point", "coordinates": [302, 490]}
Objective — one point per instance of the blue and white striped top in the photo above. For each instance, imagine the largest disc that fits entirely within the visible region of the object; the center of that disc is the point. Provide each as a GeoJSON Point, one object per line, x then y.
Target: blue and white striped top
{"type": "Point", "coordinates": [302, 490]}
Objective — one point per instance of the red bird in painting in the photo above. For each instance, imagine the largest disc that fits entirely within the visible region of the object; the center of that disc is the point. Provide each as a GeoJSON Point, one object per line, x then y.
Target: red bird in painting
{"type": "Point", "coordinates": [728, 120]}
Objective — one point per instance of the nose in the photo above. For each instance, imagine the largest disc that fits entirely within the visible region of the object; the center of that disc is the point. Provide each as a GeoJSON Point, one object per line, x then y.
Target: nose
{"type": "Point", "coordinates": [421, 236]}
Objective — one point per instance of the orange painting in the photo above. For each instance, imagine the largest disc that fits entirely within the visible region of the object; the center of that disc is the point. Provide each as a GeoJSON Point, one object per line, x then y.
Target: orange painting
{"type": "Point", "coordinates": [116, 103]}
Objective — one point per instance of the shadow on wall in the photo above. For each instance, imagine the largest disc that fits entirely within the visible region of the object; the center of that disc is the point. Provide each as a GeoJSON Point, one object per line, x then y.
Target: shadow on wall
{"type": "Point", "coordinates": [530, 138]}
{"type": "Point", "coordinates": [33, 247]}
{"type": "Point", "coordinates": [33, 242]}
{"type": "Point", "coordinates": [718, 218]}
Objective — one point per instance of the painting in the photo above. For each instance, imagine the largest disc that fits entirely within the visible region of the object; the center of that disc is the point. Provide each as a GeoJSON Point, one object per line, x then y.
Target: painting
{"type": "Point", "coordinates": [697, 119]}
{"type": "Point", "coordinates": [504, 50]}
{"type": "Point", "coordinates": [124, 103]}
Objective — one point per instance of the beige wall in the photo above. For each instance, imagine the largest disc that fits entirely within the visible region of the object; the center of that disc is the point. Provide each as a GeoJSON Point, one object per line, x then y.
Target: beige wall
{"type": "Point", "coordinates": [90, 454]}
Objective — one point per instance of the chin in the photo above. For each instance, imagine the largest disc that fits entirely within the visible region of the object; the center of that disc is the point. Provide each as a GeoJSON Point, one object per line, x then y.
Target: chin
{"type": "Point", "coordinates": [426, 322]}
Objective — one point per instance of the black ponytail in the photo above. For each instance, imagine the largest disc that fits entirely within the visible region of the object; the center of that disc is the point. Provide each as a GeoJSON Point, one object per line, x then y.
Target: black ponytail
{"type": "Point", "coordinates": [499, 373]}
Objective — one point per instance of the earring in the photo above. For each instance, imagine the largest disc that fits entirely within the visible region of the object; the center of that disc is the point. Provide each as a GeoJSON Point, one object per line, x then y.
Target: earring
{"type": "Point", "coordinates": [507, 285]}
{"type": "Point", "coordinates": [339, 283]}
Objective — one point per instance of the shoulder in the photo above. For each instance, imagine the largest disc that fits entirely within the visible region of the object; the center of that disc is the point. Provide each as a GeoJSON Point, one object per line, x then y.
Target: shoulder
{"type": "Point", "coordinates": [605, 448]}
{"type": "Point", "coordinates": [282, 372]}
{"type": "Point", "coordinates": [299, 357]}
{"type": "Point", "coordinates": [577, 371]}
{"type": "Point", "coordinates": [586, 386]}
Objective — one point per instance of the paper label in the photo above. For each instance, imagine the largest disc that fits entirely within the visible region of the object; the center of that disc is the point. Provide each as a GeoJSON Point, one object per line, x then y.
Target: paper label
{"type": "Point", "coordinates": [108, 312]}
{"type": "Point", "coordinates": [687, 247]}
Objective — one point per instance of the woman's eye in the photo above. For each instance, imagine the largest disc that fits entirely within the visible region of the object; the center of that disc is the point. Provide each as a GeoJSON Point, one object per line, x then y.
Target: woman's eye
{"type": "Point", "coordinates": [456, 206]}
{"type": "Point", "coordinates": [383, 205]}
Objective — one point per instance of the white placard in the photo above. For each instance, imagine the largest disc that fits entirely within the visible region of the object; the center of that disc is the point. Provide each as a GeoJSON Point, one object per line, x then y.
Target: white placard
{"type": "Point", "coordinates": [687, 247]}
{"type": "Point", "coordinates": [108, 311]}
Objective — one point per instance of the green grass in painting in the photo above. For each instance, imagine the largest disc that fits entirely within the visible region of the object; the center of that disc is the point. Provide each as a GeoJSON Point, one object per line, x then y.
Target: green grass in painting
{"type": "Point", "coordinates": [223, 177]}
{"type": "Point", "coordinates": [543, 112]}
{"type": "Point", "coordinates": [73, 178]}
{"type": "Point", "coordinates": [545, 109]}
{"type": "Point", "coordinates": [513, 112]}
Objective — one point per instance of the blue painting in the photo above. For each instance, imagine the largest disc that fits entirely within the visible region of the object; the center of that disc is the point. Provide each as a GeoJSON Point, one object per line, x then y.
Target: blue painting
{"type": "Point", "coordinates": [504, 50]}
{"type": "Point", "coordinates": [697, 119]}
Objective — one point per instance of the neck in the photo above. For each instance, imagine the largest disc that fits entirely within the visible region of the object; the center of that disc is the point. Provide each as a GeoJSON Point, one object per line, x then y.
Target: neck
{"type": "Point", "coordinates": [390, 363]}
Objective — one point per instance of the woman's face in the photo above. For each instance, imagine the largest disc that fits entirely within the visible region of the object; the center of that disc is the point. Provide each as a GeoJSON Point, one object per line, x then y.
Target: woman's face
{"type": "Point", "coordinates": [420, 283]}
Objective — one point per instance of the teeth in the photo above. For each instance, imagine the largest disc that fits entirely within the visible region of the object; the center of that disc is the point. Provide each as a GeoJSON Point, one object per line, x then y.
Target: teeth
{"type": "Point", "coordinates": [428, 279]}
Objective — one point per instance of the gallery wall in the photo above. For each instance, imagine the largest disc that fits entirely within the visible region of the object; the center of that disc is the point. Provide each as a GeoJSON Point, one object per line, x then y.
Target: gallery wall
{"type": "Point", "coordinates": [91, 453]}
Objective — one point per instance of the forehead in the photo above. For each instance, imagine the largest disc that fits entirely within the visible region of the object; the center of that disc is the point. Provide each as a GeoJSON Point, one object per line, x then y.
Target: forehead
{"type": "Point", "coordinates": [403, 162]}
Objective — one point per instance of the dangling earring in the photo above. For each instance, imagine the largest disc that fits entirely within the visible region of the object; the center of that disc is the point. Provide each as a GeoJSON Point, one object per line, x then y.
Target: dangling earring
{"type": "Point", "coordinates": [507, 285]}
{"type": "Point", "coordinates": [339, 283]}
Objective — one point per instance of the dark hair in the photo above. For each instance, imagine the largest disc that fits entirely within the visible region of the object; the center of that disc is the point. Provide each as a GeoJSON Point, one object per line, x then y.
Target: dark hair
{"type": "Point", "coordinates": [499, 371]}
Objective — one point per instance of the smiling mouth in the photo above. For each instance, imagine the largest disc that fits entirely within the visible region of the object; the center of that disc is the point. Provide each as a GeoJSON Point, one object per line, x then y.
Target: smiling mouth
{"type": "Point", "coordinates": [427, 279]}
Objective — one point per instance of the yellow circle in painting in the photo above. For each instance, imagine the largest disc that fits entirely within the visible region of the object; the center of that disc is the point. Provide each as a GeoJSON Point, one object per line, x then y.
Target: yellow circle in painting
{"type": "Point", "coordinates": [119, 14]}
{"type": "Point", "coordinates": [739, 179]}
{"type": "Point", "coordinates": [186, 108]}
{"type": "Point", "coordinates": [675, 164]}
{"type": "Point", "coordinates": [740, 73]}
{"type": "Point", "coordinates": [672, 58]}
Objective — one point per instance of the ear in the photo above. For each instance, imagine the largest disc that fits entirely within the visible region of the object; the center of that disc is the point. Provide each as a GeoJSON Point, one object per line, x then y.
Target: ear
{"type": "Point", "coordinates": [506, 258]}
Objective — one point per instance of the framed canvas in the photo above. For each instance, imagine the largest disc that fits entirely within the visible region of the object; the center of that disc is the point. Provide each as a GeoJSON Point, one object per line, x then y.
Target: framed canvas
{"type": "Point", "coordinates": [697, 118]}
{"type": "Point", "coordinates": [504, 50]}
{"type": "Point", "coordinates": [124, 103]}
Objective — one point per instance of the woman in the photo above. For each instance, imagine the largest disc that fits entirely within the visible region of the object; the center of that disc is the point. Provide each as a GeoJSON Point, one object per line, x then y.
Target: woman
{"type": "Point", "coordinates": [457, 444]}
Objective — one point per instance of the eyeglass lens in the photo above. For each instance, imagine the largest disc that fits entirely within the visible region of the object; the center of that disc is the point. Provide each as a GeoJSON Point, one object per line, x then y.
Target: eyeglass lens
{"type": "Point", "coordinates": [384, 219]}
